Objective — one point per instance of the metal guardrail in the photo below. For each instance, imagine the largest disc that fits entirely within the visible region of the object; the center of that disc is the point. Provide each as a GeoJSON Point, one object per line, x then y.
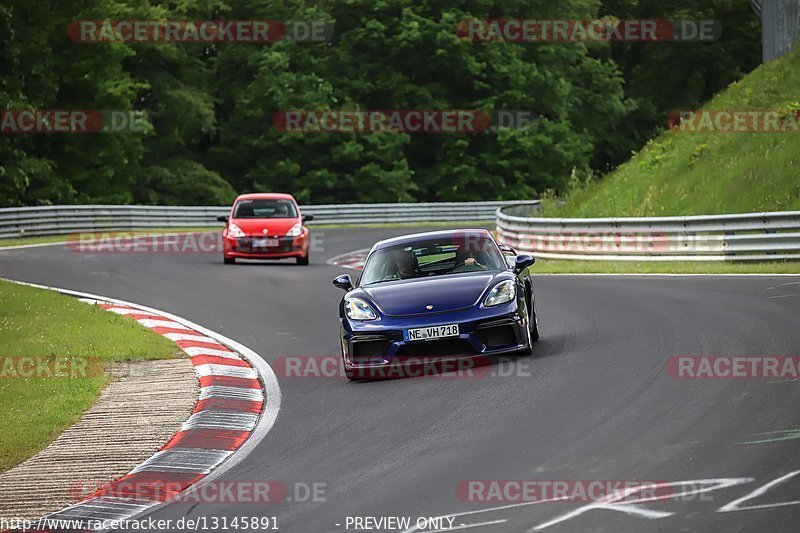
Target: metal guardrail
{"type": "Point", "coordinates": [741, 237]}
{"type": "Point", "coordinates": [70, 219]}
{"type": "Point", "coordinates": [780, 26]}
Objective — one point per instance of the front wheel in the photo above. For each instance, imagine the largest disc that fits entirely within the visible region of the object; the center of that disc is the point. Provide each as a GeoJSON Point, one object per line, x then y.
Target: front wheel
{"type": "Point", "coordinates": [228, 260]}
{"type": "Point", "coordinates": [533, 326]}
{"type": "Point", "coordinates": [303, 260]}
{"type": "Point", "coordinates": [533, 323]}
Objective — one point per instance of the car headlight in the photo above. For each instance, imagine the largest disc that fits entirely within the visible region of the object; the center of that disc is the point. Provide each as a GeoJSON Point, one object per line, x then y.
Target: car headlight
{"type": "Point", "coordinates": [358, 309]}
{"type": "Point", "coordinates": [296, 230]}
{"type": "Point", "coordinates": [235, 231]}
{"type": "Point", "coordinates": [503, 292]}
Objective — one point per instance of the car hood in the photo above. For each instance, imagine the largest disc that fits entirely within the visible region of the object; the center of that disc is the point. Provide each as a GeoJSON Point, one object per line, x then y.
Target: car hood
{"type": "Point", "coordinates": [276, 227]}
{"type": "Point", "coordinates": [444, 293]}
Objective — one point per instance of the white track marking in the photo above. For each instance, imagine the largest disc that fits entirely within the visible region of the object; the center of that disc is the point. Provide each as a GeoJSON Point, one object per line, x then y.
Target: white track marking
{"type": "Point", "coordinates": [233, 393]}
{"type": "Point", "coordinates": [734, 505]}
{"type": "Point", "coordinates": [335, 261]}
{"type": "Point", "coordinates": [199, 350]}
{"type": "Point", "coordinates": [151, 323]}
{"type": "Point", "coordinates": [609, 503]}
{"type": "Point", "coordinates": [225, 420]}
{"type": "Point", "coordinates": [125, 311]}
{"type": "Point", "coordinates": [179, 459]}
{"type": "Point", "coordinates": [226, 370]}
{"type": "Point", "coordinates": [627, 507]}
{"type": "Point", "coordinates": [188, 337]}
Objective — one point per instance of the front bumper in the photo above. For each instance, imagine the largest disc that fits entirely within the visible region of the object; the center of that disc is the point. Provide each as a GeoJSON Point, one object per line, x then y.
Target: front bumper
{"type": "Point", "coordinates": [287, 247]}
{"type": "Point", "coordinates": [484, 332]}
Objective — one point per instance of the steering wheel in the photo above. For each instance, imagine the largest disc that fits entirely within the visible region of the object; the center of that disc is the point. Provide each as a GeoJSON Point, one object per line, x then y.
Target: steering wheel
{"type": "Point", "coordinates": [467, 268]}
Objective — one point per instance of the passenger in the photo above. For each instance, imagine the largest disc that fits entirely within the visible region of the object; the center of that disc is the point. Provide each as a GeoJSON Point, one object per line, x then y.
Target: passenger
{"type": "Point", "coordinates": [407, 265]}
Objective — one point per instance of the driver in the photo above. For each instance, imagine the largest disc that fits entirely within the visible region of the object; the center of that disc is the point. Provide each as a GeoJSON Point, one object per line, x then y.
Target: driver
{"type": "Point", "coordinates": [464, 258]}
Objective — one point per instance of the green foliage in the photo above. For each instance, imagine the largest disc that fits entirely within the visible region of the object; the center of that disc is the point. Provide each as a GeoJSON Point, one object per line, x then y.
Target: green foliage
{"type": "Point", "coordinates": [210, 106]}
{"type": "Point", "coordinates": [661, 77]}
{"type": "Point", "coordinates": [182, 182]}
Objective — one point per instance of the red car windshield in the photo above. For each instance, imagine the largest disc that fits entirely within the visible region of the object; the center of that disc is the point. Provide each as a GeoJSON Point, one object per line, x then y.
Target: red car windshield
{"type": "Point", "coordinates": [265, 209]}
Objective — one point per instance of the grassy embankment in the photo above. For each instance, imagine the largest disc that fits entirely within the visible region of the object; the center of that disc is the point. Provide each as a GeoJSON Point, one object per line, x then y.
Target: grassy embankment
{"type": "Point", "coordinates": [43, 324]}
{"type": "Point", "coordinates": [683, 173]}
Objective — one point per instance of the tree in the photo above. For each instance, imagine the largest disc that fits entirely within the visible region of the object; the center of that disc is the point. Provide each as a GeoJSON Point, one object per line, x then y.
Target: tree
{"type": "Point", "coordinates": [661, 77]}
{"type": "Point", "coordinates": [209, 131]}
{"type": "Point", "coordinates": [394, 54]}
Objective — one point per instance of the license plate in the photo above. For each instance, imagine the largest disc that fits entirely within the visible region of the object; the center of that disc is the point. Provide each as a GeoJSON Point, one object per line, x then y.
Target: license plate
{"type": "Point", "coordinates": [433, 332]}
{"type": "Point", "coordinates": [265, 243]}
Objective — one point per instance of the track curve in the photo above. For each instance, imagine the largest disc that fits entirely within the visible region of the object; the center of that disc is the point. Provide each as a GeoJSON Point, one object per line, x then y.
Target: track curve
{"type": "Point", "coordinates": [594, 403]}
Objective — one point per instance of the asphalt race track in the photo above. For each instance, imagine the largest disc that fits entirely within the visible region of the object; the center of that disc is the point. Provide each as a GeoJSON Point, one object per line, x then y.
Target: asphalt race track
{"type": "Point", "coordinates": [594, 402]}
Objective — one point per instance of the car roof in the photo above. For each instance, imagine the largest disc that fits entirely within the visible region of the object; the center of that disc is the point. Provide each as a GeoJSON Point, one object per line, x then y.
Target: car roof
{"type": "Point", "coordinates": [442, 234]}
{"type": "Point", "coordinates": [265, 196]}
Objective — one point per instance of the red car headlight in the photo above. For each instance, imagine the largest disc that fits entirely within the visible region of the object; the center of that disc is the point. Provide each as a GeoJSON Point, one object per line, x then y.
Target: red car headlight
{"type": "Point", "coordinates": [235, 231]}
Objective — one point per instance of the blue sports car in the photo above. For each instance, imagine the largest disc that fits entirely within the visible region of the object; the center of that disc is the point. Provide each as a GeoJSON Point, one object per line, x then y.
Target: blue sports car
{"type": "Point", "coordinates": [440, 295]}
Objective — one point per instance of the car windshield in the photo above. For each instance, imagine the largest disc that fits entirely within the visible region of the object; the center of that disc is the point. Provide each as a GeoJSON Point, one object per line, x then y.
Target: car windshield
{"type": "Point", "coordinates": [265, 209]}
{"type": "Point", "coordinates": [450, 255]}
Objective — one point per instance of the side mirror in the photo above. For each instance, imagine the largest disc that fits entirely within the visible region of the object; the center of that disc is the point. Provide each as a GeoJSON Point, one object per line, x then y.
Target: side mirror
{"type": "Point", "coordinates": [223, 218]}
{"type": "Point", "coordinates": [522, 262]}
{"type": "Point", "coordinates": [307, 218]}
{"type": "Point", "coordinates": [343, 282]}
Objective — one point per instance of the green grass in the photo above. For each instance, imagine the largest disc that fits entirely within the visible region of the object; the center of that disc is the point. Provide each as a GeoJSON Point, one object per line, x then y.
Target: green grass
{"type": "Point", "coordinates": [558, 266]}
{"type": "Point", "coordinates": [708, 173]}
{"type": "Point", "coordinates": [42, 323]}
{"type": "Point", "coordinates": [64, 238]}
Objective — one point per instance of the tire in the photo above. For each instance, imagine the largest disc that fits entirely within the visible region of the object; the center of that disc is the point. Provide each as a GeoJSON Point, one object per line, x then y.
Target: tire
{"type": "Point", "coordinates": [303, 260]}
{"type": "Point", "coordinates": [533, 323]}
{"type": "Point", "coordinates": [228, 260]}
{"type": "Point", "coordinates": [534, 336]}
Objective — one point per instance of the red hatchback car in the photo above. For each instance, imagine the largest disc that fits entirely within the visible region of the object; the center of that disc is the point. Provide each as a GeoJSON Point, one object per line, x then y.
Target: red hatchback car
{"type": "Point", "coordinates": [265, 226]}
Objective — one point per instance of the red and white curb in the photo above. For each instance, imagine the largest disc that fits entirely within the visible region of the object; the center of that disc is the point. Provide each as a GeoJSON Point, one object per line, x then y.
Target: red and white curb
{"type": "Point", "coordinates": [354, 260]}
{"type": "Point", "coordinates": [238, 404]}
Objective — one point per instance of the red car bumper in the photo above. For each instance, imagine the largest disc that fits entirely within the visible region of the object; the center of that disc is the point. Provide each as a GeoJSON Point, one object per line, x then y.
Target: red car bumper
{"type": "Point", "coordinates": [287, 247]}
